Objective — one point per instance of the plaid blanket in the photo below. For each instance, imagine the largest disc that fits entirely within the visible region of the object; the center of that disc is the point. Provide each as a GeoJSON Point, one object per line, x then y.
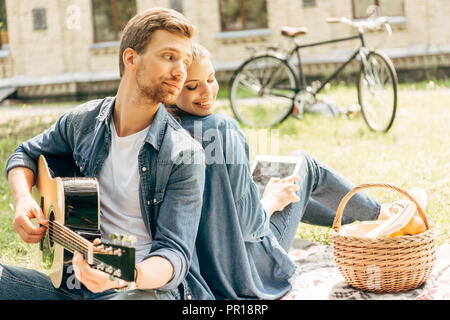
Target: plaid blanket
{"type": "Point", "coordinates": [317, 277]}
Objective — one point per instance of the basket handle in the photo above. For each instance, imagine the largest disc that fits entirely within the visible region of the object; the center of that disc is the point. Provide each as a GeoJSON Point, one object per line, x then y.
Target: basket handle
{"type": "Point", "coordinates": [337, 220]}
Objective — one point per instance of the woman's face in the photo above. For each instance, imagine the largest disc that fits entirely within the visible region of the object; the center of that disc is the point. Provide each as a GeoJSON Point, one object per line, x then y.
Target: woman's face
{"type": "Point", "coordinates": [200, 88]}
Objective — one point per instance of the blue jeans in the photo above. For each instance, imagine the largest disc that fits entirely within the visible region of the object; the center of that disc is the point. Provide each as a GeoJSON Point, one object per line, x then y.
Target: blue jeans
{"type": "Point", "coordinates": [321, 191]}
{"type": "Point", "coordinates": [25, 284]}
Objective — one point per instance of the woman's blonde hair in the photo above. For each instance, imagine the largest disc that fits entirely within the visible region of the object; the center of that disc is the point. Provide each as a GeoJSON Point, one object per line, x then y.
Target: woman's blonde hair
{"type": "Point", "coordinates": [199, 51]}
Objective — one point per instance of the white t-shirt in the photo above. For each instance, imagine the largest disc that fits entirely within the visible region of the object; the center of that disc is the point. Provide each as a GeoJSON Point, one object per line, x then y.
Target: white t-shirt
{"type": "Point", "coordinates": [120, 207]}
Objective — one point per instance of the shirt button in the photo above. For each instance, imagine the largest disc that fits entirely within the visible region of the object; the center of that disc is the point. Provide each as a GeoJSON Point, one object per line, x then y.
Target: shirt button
{"type": "Point", "coordinates": [144, 169]}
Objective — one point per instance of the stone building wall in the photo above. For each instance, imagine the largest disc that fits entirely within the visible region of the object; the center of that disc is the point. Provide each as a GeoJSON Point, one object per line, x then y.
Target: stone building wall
{"type": "Point", "coordinates": [63, 57]}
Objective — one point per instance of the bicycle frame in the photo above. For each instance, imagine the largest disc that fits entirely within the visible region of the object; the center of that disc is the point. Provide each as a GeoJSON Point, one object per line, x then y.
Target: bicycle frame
{"type": "Point", "coordinates": [302, 78]}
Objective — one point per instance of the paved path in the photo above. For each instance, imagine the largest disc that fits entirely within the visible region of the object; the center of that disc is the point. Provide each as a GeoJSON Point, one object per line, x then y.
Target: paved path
{"type": "Point", "coordinates": [8, 113]}
{"type": "Point", "coordinates": [19, 113]}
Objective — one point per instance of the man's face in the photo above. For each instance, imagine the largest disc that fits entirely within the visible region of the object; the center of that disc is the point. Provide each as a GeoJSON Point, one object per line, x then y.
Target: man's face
{"type": "Point", "coordinates": [161, 70]}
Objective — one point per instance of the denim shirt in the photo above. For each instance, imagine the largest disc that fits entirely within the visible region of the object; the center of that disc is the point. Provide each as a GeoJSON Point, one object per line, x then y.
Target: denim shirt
{"type": "Point", "coordinates": [240, 257]}
{"type": "Point", "coordinates": [171, 182]}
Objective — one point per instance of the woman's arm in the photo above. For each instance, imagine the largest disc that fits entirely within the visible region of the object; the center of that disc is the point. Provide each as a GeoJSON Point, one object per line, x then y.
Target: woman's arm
{"type": "Point", "coordinates": [279, 193]}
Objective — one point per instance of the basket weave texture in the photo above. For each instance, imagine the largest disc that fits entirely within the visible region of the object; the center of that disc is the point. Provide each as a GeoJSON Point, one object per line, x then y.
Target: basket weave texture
{"type": "Point", "coordinates": [383, 264]}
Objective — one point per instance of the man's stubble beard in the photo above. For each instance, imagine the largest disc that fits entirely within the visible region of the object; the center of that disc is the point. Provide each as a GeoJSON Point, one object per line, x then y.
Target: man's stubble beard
{"type": "Point", "coordinates": [156, 92]}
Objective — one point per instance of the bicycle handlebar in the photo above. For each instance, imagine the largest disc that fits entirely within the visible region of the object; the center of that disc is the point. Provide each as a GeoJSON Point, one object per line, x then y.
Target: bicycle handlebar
{"type": "Point", "coordinates": [371, 23]}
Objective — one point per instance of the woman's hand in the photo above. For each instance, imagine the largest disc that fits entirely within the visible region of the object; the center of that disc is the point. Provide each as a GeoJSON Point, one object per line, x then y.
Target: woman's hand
{"type": "Point", "coordinates": [279, 193]}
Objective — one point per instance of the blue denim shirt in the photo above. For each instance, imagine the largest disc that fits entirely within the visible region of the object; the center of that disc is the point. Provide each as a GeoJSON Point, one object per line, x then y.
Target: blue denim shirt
{"type": "Point", "coordinates": [172, 176]}
{"type": "Point", "coordinates": [240, 257]}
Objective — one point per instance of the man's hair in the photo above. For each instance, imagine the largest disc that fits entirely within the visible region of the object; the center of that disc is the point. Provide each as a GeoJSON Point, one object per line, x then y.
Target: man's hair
{"type": "Point", "coordinates": [138, 31]}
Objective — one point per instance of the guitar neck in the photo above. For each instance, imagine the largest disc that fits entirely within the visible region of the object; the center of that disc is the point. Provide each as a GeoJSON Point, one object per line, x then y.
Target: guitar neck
{"type": "Point", "coordinates": [75, 200]}
{"type": "Point", "coordinates": [113, 259]}
{"type": "Point", "coordinates": [70, 240]}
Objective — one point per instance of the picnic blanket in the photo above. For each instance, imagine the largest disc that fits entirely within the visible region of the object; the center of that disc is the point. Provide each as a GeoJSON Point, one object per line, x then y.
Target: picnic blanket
{"type": "Point", "coordinates": [318, 278]}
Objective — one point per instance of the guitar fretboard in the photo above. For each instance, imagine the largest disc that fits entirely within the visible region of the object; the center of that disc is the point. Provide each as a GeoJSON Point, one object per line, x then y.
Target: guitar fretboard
{"type": "Point", "coordinates": [69, 239]}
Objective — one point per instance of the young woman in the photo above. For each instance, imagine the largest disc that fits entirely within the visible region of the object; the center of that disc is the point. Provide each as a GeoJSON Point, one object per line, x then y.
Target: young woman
{"type": "Point", "coordinates": [243, 241]}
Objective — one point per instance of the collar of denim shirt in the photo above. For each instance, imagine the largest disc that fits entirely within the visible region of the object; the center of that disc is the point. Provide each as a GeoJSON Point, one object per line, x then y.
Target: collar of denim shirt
{"type": "Point", "coordinates": [157, 128]}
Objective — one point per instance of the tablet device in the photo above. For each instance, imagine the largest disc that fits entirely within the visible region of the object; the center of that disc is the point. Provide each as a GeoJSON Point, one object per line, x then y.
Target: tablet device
{"type": "Point", "coordinates": [266, 167]}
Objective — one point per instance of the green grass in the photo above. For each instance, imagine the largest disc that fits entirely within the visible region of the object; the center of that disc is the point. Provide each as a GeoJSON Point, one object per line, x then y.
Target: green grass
{"type": "Point", "coordinates": [12, 249]}
{"type": "Point", "coordinates": [416, 152]}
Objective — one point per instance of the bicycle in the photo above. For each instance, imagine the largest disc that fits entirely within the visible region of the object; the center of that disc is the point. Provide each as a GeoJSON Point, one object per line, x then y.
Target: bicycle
{"type": "Point", "coordinates": [266, 88]}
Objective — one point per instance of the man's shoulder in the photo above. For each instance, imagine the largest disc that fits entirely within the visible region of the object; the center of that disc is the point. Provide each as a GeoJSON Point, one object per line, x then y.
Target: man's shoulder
{"type": "Point", "coordinates": [89, 107]}
{"type": "Point", "coordinates": [86, 112]}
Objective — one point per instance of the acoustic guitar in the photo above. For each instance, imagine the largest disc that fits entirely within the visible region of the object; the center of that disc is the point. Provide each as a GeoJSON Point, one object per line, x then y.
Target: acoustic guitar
{"type": "Point", "coordinates": [71, 203]}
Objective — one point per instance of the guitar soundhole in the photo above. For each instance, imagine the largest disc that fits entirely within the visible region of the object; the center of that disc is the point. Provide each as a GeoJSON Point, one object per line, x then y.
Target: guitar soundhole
{"type": "Point", "coordinates": [50, 230]}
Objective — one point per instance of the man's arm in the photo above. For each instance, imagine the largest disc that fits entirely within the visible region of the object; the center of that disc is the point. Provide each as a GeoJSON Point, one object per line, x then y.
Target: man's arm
{"type": "Point", "coordinates": [21, 170]}
{"type": "Point", "coordinates": [20, 182]}
{"type": "Point", "coordinates": [151, 273]}
{"type": "Point", "coordinates": [174, 241]}
{"type": "Point", "coordinates": [177, 225]}
{"type": "Point", "coordinates": [54, 140]}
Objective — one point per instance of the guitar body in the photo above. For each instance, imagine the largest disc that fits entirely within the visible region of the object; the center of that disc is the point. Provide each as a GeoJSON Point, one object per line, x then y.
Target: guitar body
{"type": "Point", "coordinates": [73, 202]}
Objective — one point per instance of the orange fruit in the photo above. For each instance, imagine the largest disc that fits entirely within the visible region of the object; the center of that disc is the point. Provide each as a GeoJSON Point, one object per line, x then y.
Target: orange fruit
{"type": "Point", "coordinates": [398, 233]}
{"type": "Point", "coordinates": [415, 226]}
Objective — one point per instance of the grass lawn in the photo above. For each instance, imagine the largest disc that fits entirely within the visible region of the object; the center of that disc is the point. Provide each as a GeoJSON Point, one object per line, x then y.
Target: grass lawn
{"type": "Point", "coordinates": [415, 152]}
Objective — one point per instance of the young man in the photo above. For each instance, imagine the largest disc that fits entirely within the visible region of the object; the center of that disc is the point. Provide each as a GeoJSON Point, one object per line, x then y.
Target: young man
{"type": "Point", "coordinates": [137, 152]}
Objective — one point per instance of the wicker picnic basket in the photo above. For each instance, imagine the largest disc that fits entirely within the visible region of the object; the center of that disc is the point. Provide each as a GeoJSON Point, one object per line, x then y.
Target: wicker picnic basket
{"type": "Point", "coordinates": [383, 264]}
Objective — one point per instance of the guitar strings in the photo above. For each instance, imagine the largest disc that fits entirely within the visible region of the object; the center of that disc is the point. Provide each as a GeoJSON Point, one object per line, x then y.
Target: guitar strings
{"type": "Point", "coordinates": [69, 234]}
{"type": "Point", "coordinates": [73, 242]}
{"type": "Point", "coordinates": [65, 242]}
{"type": "Point", "coordinates": [70, 247]}
{"type": "Point", "coordinates": [70, 240]}
{"type": "Point", "coordinates": [55, 236]}
{"type": "Point", "coordinates": [65, 235]}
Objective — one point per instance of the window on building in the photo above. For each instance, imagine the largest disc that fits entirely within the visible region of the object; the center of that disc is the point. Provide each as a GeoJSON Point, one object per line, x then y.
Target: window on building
{"type": "Point", "coordinates": [4, 39]}
{"type": "Point", "coordinates": [309, 3]}
{"type": "Point", "coordinates": [366, 8]}
{"type": "Point", "coordinates": [39, 18]}
{"type": "Point", "coordinates": [177, 5]}
{"type": "Point", "coordinates": [243, 14]}
{"type": "Point", "coordinates": [111, 17]}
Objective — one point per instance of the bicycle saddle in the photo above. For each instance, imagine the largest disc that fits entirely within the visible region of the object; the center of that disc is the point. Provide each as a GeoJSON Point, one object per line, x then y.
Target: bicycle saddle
{"type": "Point", "coordinates": [293, 32]}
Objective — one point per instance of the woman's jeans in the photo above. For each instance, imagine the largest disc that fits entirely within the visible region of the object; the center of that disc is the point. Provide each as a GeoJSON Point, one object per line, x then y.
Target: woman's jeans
{"type": "Point", "coordinates": [321, 191]}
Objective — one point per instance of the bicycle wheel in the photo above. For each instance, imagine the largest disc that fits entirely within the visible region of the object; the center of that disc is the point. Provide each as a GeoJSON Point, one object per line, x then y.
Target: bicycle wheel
{"type": "Point", "coordinates": [262, 91]}
{"type": "Point", "coordinates": [377, 91]}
